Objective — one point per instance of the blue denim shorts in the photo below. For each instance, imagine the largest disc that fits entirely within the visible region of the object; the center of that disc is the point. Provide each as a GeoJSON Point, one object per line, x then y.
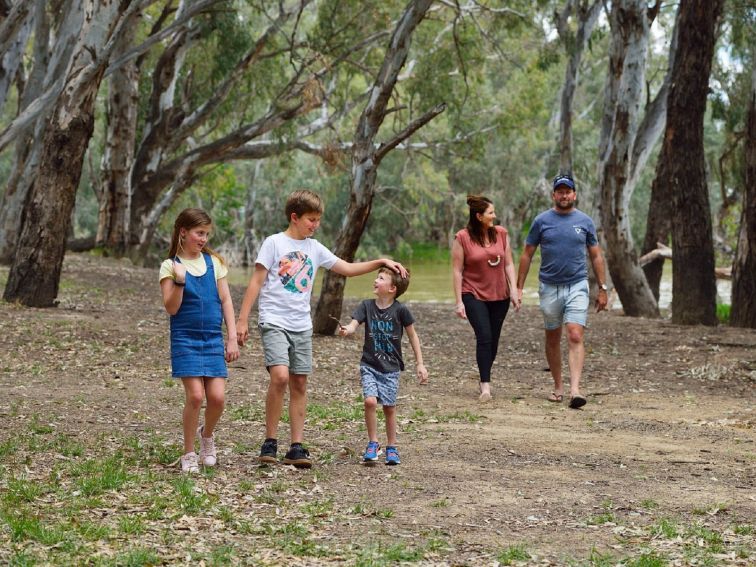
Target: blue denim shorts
{"type": "Point", "coordinates": [287, 348]}
{"type": "Point", "coordinates": [381, 385]}
{"type": "Point", "coordinates": [567, 303]}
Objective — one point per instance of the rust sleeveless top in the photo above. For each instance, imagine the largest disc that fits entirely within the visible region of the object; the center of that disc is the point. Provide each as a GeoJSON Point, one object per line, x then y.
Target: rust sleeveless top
{"type": "Point", "coordinates": [483, 268]}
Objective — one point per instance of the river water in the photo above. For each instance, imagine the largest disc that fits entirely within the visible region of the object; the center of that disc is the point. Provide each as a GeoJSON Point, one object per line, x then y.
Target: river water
{"type": "Point", "coordinates": [432, 282]}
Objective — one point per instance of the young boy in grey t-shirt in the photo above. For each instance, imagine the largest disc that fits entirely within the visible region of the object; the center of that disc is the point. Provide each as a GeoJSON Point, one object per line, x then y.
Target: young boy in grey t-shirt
{"type": "Point", "coordinates": [385, 321]}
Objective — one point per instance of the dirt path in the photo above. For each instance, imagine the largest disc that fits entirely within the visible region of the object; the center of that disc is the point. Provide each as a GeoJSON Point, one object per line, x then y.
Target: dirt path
{"type": "Point", "coordinates": [659, 466]}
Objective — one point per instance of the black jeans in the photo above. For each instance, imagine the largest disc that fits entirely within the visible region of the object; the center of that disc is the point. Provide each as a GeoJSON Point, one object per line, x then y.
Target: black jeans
{"type": "Point", "coordinates": [486, 318]}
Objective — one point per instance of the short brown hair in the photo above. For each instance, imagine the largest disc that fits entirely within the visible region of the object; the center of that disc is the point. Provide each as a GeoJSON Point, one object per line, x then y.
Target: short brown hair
{"type": "Point", "coordinates": [302, 202]}
{"type": "Point", "coordinates": [401, 284]}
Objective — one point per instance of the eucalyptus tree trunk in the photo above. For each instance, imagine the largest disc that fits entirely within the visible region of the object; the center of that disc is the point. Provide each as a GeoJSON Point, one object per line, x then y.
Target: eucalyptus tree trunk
{"type": "Point", "coordinates": [624, 148]}
{"type": "Point", "coordinates": [15, 28]}
{"type": "Point", "coordinates": [365, 161]}
{"type": "Point", "coordinates": [114, 194]}
{"type": "Point", "coordinates": [35, 273]}
{"type": "Point", "coordinates": [575, 43]}
{"type": "Point", "coordinates": [743, 311]}
{"type": "Point", "coordinates": [46, 69]}
{"type": "Point", "coordinates": [694, 288]}
{"type": "Point", "coordinates": [659, 216]}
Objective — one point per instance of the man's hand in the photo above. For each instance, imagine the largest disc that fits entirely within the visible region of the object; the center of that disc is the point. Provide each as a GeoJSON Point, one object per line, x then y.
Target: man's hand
{"type": "Point", "coordinates": [602, 300]}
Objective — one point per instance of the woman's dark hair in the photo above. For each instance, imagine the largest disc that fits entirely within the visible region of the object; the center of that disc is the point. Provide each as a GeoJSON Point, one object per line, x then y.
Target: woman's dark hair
{"type": "Point", "coordinates": [478, 205]}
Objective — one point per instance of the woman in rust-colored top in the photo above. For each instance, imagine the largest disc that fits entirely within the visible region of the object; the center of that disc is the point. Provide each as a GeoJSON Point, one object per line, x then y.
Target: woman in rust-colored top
{"type": "Point", "coordinates": [483, 275]}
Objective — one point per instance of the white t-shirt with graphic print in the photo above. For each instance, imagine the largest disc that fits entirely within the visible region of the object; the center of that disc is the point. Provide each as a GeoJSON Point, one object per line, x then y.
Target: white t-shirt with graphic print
{"type": "Point", "coordinates": [292, 264]}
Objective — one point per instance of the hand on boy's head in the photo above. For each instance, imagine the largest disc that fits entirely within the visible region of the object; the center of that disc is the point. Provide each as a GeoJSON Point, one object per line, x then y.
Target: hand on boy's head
{"type": "Point", "coordinates": [397, 267]}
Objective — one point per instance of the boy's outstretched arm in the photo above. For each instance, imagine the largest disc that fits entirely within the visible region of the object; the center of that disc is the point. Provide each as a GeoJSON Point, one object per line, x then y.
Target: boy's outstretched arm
{"type": "Point", "coordinates": [345, 330]}
{"type": "Point", "coordinates": [349, 269]}
{"type": "Point", "coordinates": [422, 371]}
{"type": "Point", "coordinates": [250, 296]}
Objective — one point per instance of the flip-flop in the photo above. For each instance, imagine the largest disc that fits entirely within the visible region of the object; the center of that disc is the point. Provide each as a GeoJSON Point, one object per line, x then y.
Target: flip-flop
{"type": "Point", "coordinates": [577, 402]}
{"type": "Point", "coordinates": [556, 398]}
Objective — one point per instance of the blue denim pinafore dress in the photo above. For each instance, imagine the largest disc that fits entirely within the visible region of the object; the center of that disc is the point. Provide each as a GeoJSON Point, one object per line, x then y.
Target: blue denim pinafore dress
{"type": "Point", "coordinates": [196, 335]}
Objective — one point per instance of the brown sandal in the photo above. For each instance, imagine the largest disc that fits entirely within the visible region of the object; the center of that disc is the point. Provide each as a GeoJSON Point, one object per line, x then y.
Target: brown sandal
{"type": "Point", "coordinates": [556, 398]}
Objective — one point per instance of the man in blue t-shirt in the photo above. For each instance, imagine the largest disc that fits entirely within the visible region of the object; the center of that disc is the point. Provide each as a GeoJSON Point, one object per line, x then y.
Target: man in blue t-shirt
{"type": "Point", "coordinates": [564, 234]}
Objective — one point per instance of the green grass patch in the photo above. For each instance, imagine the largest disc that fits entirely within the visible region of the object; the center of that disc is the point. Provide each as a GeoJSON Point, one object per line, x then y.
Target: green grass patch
{"type": "Point", "coordinates": [512, 554]}
{"type": "Point", "coordinates": [334, 416]}
{"type": "Point", "coordinates": [723, 313]}
{"type": "Point", "coordinates": [246, 412]}
{"type": "Point", "coordinates": [96, 476]}
{"type": "Point", "coordinates": [648, 560]}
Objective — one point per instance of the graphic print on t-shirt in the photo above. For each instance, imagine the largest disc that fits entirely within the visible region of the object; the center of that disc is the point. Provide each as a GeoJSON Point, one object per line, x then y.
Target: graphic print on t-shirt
{"type": "Point", "coordinates": [382, 333]}
{"type": "Point", "coordinates": [296, 272]}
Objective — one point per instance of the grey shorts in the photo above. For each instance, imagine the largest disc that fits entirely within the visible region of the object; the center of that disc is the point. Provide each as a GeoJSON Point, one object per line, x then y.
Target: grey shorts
{"type": "Point", "coordinates": [287, 348]}
{"type": "Point", "coordinates": [561, 304]}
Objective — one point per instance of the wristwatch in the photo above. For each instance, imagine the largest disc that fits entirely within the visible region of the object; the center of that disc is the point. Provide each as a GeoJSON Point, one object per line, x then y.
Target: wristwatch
{"type": "Point", "coordinates": [603, 287]}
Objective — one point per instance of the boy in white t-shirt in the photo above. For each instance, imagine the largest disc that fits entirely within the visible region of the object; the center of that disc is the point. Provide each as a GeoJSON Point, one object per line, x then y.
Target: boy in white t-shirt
{"type": "Point", "coordinates": [285, 270]}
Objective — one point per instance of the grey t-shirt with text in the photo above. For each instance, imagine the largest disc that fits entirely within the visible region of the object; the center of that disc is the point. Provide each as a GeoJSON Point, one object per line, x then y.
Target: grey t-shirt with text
{"type": "Point", "coordinates": [563, 239]}
{"type": "Point", "coordinates": [383, 334]}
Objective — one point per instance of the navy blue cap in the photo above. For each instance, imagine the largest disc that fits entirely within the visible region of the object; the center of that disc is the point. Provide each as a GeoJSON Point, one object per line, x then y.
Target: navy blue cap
{"type": "Point", "coordinates": [565, 180]}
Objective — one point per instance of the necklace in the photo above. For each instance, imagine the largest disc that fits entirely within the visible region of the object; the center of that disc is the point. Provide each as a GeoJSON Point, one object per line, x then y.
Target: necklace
{"type": "Point", "coordinates": [494, 263]}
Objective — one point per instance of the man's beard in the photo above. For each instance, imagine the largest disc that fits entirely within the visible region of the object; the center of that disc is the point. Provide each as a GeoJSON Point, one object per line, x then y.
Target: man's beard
{"type": "Point", "coordinates": [570, 205]}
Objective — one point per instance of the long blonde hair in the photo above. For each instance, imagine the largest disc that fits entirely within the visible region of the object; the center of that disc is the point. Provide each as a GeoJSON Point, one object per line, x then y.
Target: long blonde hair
{"type": "Point", "coordinates": [189, 219]}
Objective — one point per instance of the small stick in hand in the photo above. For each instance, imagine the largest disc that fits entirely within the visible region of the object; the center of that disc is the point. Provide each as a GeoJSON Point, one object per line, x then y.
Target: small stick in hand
{"type": "Point", "coordinates": [339, 322]}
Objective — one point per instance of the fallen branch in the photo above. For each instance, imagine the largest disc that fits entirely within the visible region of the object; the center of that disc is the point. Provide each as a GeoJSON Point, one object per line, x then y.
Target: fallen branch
{"type": "Point", "coordinates": [665, 252]}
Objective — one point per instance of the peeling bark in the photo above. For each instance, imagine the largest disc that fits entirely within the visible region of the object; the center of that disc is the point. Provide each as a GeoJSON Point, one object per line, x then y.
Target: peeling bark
{"type": "Point", "coordinates": [617, 158]}
{"type": "Point", "coordinates": [575, 44]}
{"type": "Point", "coordinates": [34, 276]}
{"type": "Point", "coordinates": [743, 311]}
{"type": "Point", "coordinates": [366, 159]}
{"type": "Point", "coordinates": [114, 197]}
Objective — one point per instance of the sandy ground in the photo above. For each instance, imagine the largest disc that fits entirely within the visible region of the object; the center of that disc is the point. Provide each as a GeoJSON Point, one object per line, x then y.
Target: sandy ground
{"type": "Point", "coordinates": [667, 431]}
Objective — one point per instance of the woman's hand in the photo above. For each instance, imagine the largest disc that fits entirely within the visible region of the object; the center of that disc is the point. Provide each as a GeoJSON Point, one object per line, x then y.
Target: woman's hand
{"type": "Point", "coordinates": [460, 310]}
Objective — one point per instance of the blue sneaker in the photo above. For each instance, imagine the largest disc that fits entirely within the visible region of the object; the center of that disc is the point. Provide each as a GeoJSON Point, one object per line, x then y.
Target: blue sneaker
{"type": "Point", "coordinates": [392, 456]}
{"type": "Point", "coordinates": [372, 452]}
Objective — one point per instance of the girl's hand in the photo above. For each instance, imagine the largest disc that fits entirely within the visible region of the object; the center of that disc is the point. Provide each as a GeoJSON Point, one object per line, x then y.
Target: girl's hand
{"type": "Point", "coordinates": [179, 272]}
{"type": "Point", "coordinates": [460, 310]}
{"type": "Point", "coordinates": [422, 373]}
{"type": "Point", "coordinates": [232, 350]}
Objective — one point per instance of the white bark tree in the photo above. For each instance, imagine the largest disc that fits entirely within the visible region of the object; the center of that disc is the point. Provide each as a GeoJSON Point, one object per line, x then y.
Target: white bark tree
{"type": "Point", "coordinates": [366, 158]}
{"type": "Point", "coordinates": [627, 140]}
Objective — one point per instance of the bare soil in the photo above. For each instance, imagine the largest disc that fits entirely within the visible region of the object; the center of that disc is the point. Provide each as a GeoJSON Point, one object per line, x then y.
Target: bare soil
{"type": "Point", "coordinates": [667, 432]}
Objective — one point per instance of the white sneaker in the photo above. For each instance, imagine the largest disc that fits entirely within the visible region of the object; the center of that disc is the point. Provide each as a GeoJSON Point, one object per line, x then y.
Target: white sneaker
{"type": "Point", "coordinates": [189, 463]}
{"type": "Point", "coordinates": [207, 454]}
